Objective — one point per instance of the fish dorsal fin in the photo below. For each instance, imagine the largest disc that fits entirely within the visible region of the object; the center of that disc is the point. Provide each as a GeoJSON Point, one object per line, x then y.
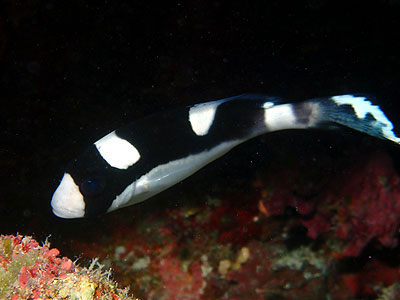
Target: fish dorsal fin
{"type": "Point", "coordinates": [258, 97]}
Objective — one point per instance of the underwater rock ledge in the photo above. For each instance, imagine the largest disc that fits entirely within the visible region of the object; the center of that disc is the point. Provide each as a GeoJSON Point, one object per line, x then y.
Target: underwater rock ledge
{"type": "Point", "coordinates": [31, 271]}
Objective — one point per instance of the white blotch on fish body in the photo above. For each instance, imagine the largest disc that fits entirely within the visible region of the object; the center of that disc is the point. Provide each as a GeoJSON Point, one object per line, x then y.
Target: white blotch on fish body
{"type": "Point", "coordinates": [67, 201]}
{"type": "Point", "coordinates": [201, 116]}
{"type": "Point", "coordinates": [280, 117]}
{"type": "Point", "coordinates": [117, 152]}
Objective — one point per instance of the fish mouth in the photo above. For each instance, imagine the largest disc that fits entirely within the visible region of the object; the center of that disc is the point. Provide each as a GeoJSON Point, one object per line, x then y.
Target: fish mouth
{"type": "Point", "coordinates": [67, 214]}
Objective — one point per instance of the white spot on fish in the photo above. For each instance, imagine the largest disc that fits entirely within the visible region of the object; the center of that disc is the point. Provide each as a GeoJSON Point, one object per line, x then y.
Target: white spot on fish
{"type": "Point", "coordinates": [67, 201]}
{"type": "Point", "coordinates": [201, 116]}
{"type": "Point", "coordinates": [280, 117]}
{"type": "Point", "coordinates": [117, 152]}
{"type": "Point", "coordinates": [268, 105]}
{"type": "Point", "coordinates": [362, 107]}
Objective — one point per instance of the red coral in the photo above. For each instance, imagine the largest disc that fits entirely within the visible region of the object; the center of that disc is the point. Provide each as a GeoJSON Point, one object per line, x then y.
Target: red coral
{"type": "Point", "coordinates": [24, 276]}
{"type": "Point", "coordinates": [52, 253]}
{"type": "Point", "coordinates": [180, 284]}
{"type": "Point", "coordinates": [40, 266]}
{"type": "Point", "coordinates": [364, 206]}
{"type": "Point", "coordinates": [66, 264]}
{"type": "Point", "coordinates": [255, 276]}
{"type": "Point", "coordinates": [281, 197]}
{"type": "Point", "coordinates": [374, 274]}
{"type": "Point", "coordinates": [374, 207]}
{"type": "Point", "coordinates": [46, 267]}
{"type": "Point", "coordinates": [242, 226]}
{"type": "Point", "coordinates": [317, 225]}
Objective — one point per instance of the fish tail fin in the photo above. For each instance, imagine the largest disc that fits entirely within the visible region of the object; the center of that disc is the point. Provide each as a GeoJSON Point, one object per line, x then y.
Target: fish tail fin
{"type": "Point", "coordinates": [356, 112]}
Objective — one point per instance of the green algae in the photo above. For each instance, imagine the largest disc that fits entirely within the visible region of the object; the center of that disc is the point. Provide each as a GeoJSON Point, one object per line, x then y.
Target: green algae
{"type": "Point", "coordinates": [9, 273]}
{"type": "Point", "coordinates": [7, 248]}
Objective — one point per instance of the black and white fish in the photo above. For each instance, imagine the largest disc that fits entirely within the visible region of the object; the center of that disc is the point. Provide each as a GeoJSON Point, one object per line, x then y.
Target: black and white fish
{"type": "Point", "coordinates": [135, 162]}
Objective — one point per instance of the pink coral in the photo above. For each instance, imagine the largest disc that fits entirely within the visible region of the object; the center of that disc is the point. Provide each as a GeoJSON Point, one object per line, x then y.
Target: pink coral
{"type": "Point", "coordinates": [30, 271]}
{"type": "Point", "coordinates": [39, 265]}
{"type": "Point", "coordinates": [181, 284]}
{"type": "Point", "coordinates": [373, 208]}
{"type": "Point", "coordinates": [374, 274]}
{"type": "Point", "coordinates": [364, 206]}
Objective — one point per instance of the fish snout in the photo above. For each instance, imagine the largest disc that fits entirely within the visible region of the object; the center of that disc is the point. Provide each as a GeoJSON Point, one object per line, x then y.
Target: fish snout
{"type": "Point", "coordinates": [67, 201]}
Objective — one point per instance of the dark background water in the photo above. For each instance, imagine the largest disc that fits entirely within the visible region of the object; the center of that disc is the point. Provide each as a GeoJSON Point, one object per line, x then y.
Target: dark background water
{"type": "Point", "coordinates": [71, 71]}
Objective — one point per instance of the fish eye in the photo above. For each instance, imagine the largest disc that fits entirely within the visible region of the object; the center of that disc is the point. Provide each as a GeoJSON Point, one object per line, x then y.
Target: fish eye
{"type": "Point", "coordinates": [92, 186]}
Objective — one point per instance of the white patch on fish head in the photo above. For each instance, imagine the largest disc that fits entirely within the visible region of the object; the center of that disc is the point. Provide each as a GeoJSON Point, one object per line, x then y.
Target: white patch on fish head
{"type": "Point", "coordinates": [201, 116]}
{"type": "Point", "coordinates": [166, 175]}
{"type": "Point", "coordinates": [280, 117]}
{"type": "Point", "coordinates": [67, 201]}
{"type": "Point", "coordinates": [362, 107]}
{"type": "Point", "coordinates": [117, 152]}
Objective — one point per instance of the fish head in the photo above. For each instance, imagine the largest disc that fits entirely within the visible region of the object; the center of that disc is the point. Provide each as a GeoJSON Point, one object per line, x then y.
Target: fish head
{"type": "Point", "coordinates": [82, 190]}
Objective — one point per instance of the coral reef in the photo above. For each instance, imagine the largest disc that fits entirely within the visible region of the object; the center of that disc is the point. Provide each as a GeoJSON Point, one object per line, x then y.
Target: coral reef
{"type": "Point", "coordinates": [31, 271]}
{"type": "Point", "coordinates": [364, 207]}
